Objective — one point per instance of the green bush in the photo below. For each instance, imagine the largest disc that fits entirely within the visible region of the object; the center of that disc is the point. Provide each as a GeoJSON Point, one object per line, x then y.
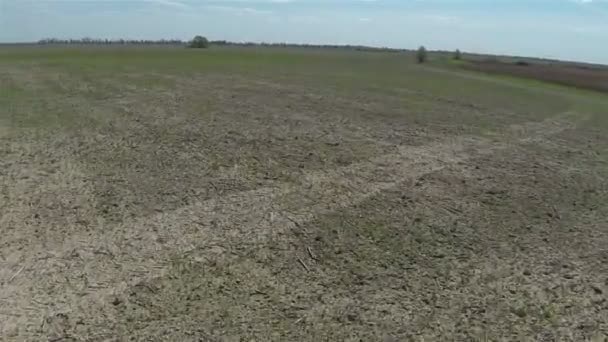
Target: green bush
{"type": "Point", "coordinates": [421, 54]}
{"type": "Point", "coordinates": [457, 55]}
{"type": "Point", "coordinates": [199, 42]}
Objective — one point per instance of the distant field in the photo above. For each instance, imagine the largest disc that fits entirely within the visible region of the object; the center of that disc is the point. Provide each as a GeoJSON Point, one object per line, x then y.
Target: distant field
{"type": "Point", "coordinates": [580, 76]}
{"type": "Point", "coordinates": [290, 194]}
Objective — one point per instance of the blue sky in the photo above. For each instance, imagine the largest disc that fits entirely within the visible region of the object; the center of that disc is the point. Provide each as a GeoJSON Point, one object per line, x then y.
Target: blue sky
{"type": "Point", "coordinates": [565, 29]}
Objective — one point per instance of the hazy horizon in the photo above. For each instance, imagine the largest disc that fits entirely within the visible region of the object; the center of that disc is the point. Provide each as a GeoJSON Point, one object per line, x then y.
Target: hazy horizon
{"type": "Point", "coordinates": [575, 30]}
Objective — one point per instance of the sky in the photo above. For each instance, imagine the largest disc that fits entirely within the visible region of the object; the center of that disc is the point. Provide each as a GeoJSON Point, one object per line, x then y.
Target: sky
{"type": "Point", "coordinates": [563, 29]}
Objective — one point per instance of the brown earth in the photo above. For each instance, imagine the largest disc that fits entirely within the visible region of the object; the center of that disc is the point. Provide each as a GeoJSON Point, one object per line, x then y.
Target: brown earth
{"type": "Point", "coordinates": [273, 211]}
{"type": "Point", "coordinates": [591, 78]}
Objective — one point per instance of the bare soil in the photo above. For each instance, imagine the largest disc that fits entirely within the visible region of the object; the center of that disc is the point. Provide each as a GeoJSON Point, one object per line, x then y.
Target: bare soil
{"type": "Point", "coordinates": [561, 73]}
{"type": "Point", "coordinates": [233, 208]}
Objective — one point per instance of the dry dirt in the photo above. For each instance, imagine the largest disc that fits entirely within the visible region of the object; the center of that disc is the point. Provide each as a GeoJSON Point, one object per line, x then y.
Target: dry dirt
{"type": "Point", "coordinates": [268, 211]}
{"type": "Point", "coordinates": [560, 73]}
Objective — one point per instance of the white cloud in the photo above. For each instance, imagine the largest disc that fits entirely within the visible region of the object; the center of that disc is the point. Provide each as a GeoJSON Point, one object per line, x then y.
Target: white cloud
{"type": "Point", "coordinates": [587, 2]}
{"type": "Point", "coordinates": [237, 10]}
{"type": "Point", "coordinates": [442, 19]}
{"type": "Point", "coordinates": [169, 3]}
{"type": "Point", "coordinates": [304, 19]}
{"type": "Point", "coordinates": [255, 1]}
{"type": "Point", "coordinates": [593, 29]}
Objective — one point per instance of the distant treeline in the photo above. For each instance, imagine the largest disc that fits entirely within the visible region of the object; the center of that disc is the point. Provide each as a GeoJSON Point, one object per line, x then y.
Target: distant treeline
{"type": "Point", "coordinates": [94, 41]}
{"type": "Point", "coordinates": [313, 46]}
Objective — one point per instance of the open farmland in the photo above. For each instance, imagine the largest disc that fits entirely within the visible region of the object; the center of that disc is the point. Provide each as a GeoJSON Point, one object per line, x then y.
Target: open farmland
{"type": "Point", "coordinates": [262, 194]}
{"type": "Point", "coordinates": [570, 74]}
